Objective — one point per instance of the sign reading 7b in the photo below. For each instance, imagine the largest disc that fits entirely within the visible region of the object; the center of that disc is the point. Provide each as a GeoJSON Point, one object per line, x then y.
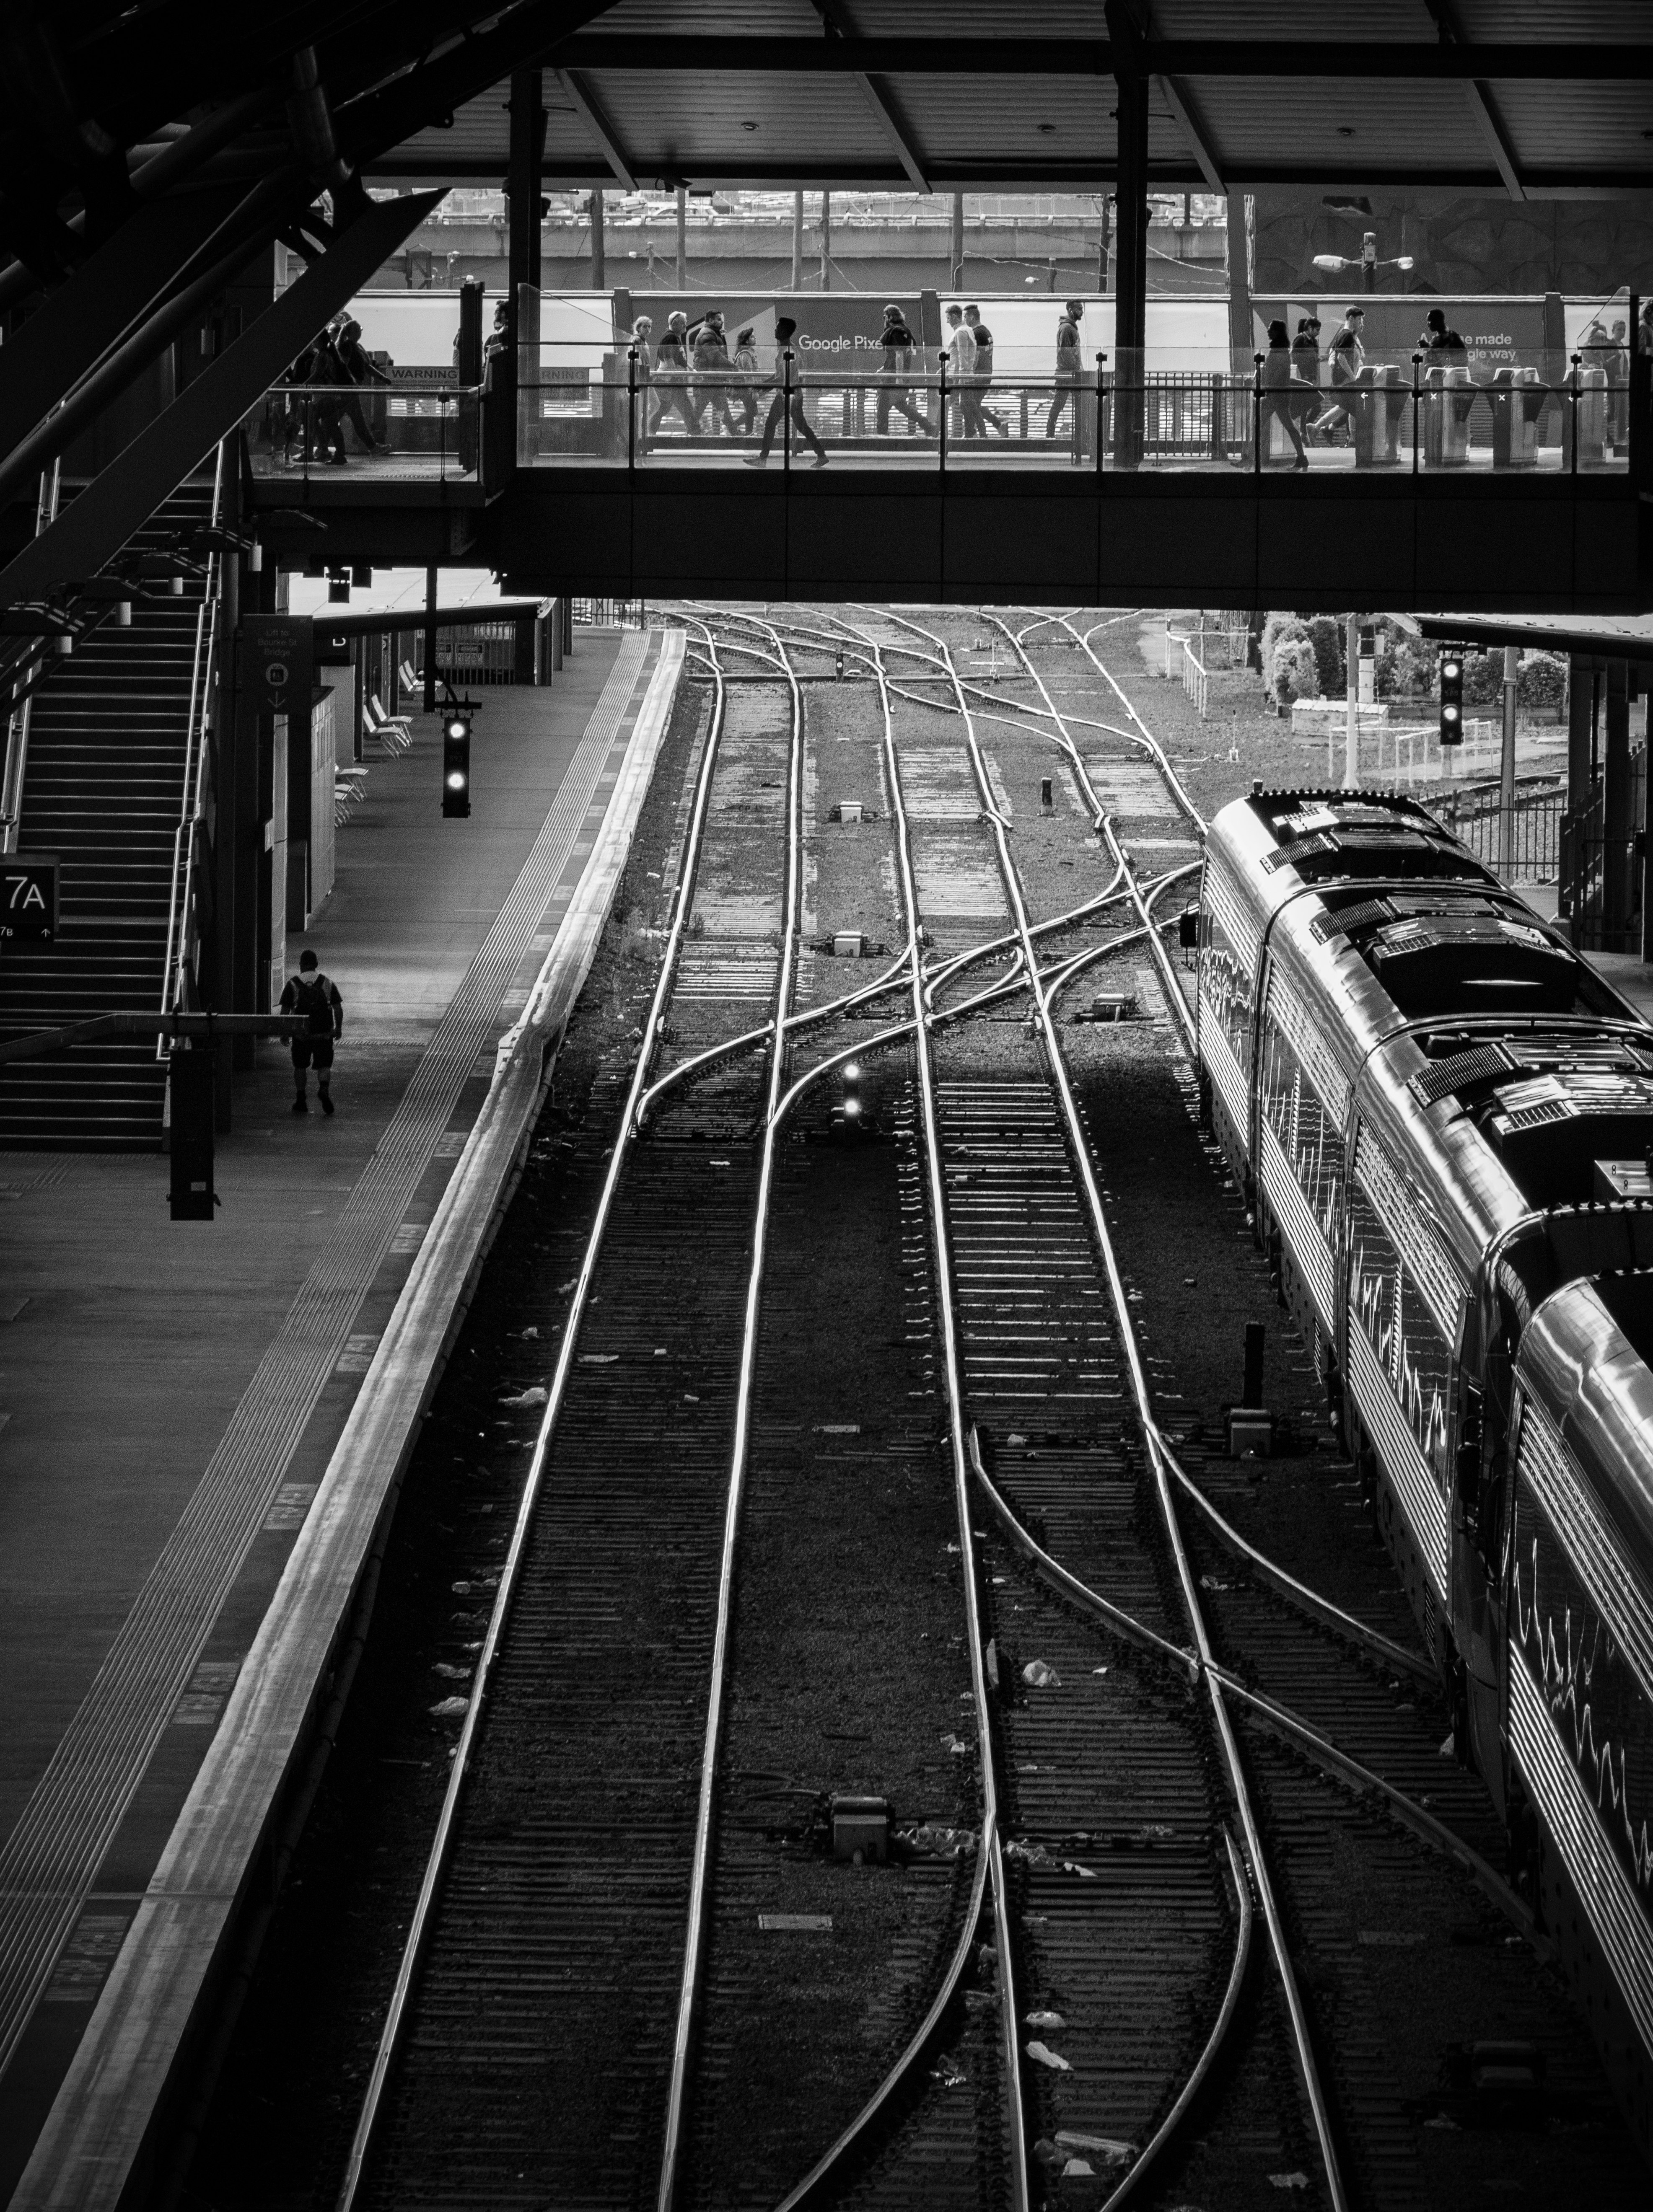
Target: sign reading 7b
{"type": "Point", "coordinates": [28, 894]}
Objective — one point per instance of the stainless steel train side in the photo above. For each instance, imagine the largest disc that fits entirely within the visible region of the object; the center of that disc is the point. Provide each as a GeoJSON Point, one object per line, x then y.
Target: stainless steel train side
{"type": "Point", "coordinates": [1413, 1078]}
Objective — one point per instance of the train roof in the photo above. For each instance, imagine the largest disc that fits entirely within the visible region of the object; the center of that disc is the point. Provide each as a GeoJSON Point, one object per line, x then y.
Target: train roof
{"type": "Point", "coordinates": [1492, 1052]}
{"type": "Point", "coordinates": [1587, 1359]}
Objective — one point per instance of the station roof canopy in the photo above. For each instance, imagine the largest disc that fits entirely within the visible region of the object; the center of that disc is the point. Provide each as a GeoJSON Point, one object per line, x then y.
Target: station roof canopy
{"type": "Point", "coordinates": [1537, 99]}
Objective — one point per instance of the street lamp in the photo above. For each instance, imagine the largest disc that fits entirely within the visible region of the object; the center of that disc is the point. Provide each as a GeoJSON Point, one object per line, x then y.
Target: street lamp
{"type": "Point", "coordinates": [1365, 261]}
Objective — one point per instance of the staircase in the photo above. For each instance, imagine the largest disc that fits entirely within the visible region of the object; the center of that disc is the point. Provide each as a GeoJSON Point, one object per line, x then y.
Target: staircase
{"type": "Point", "coordinates": [103, 788]}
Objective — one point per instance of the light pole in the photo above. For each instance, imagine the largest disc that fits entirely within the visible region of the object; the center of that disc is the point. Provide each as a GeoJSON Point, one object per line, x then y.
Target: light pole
{"type": "Point", "coordinates": [1365, 261]}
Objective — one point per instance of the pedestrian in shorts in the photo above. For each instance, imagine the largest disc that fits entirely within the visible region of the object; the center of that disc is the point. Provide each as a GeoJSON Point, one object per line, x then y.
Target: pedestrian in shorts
{"type": "Point", "coordinates": [316, 997]}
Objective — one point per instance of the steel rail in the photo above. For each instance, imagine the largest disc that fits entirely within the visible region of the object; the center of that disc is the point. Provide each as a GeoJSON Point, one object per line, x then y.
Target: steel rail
{"type": "Point", "coordinates": [991, 1846]}
{"type": "Point", "coordinates": [1284, 1584]}
{"type": "Point", "coordinates": [700, 1869]}
{"type": "Point", "coordinates": [1184, 2103]}
{"type": "Point", "coordinates": [1104, 827]}
{"type": "Point", "coordinates": [419, 1928]}
{"type": "Point", "coordinates": [989, 1857]}
{"type": "Point", "coordinates": [1056, 1063]}
{"type": "Point", "coordinates": [1301, 1734]}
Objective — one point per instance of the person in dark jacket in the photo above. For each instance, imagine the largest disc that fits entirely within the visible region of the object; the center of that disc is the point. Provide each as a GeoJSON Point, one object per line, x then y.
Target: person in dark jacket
{"type": "Point", "coordinates": [671, 376]}
{"type": "Point", "coordinates": [325, 379]}
{"type": "Point", "coordinates": [1278, 403]}
{"type": "Point", "coordinates": [315, 996]}
{"type": "Point", "coordinates": [358, 371]}
{"type": "Point", "coordinates": [714, 370]}
{"type": "Point", "coordinates": [1441, 343]}
{"type": "Point", "coordinates": [1068, 367]}
{"type": "Point", "coordinates": [1348, 354]}
{"type": "Point", "coordinates": [983, 376]}
{"type": "Point", "coordinates": [899, 347]}
{"type": "Point", "coordinates": [785, 330]}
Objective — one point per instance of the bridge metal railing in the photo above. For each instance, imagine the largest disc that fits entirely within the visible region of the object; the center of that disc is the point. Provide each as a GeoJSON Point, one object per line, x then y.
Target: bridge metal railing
{"type": "Point", "coordinates": [635, 405]}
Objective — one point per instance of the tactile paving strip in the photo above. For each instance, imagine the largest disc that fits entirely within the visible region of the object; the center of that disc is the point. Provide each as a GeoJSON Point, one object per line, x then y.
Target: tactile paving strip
{"type": "Point", "coordinates": [52, 1855]}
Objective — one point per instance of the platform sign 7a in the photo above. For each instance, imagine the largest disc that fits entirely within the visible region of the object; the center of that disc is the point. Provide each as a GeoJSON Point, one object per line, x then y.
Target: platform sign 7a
{"type": "Point", "coordinates": [28, 894]}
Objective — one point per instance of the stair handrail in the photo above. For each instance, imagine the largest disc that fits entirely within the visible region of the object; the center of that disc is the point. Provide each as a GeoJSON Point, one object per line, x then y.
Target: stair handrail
{"type": "Point", "coordinates": [17, 721]}
{"type": "Point", "coordinates": [175, 972]}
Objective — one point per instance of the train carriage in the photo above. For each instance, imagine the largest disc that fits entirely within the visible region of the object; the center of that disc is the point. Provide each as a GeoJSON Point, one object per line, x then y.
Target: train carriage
{"type": "Point", "coordinates": [1442, 1118]}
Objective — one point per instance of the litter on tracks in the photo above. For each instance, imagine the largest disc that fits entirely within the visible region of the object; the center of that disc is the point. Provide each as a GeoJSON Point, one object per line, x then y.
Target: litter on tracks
{"type": "Point", "coordinates": [1039, 1675]}
{"type": "Point", "coordinates": [450, 1709]}
{"type": "Point", "coordinates": [1045, 2056]}
{"type": "Point", "coordinates": [533, 1396]}
{"type": "Point", "coordinates": [1048, 2023]}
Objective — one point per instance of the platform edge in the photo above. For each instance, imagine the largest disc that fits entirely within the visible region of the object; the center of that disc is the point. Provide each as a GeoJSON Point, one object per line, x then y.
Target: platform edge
{"type": "Point", "coordinates": [114, 2114]}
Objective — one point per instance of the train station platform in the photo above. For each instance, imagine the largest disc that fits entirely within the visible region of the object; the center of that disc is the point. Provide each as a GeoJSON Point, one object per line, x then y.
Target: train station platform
{"type": "Point", "coordinates": [202, 1427]}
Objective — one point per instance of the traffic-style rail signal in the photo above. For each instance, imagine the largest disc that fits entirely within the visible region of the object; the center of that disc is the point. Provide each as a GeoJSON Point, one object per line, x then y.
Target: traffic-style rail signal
{"type": "Point", "coordinates": [1452, 695]}
{"type": "Point", "coordinates": [456, 764]}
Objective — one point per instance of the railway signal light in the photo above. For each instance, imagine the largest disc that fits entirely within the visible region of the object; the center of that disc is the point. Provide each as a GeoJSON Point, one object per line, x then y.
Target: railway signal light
{"type": "Point", "coordinates": [456, 764]}
{"type": "Point", "coordinates": [1452, 695]}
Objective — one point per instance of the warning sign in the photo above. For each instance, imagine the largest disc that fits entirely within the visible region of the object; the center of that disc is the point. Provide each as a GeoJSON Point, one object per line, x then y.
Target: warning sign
{"type": "Point", "coordinates": [28, 894]}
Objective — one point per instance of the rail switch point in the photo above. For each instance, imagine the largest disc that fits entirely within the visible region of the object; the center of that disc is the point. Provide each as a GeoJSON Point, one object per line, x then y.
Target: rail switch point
{"type": "Point", "coordinates": [860, 1830]}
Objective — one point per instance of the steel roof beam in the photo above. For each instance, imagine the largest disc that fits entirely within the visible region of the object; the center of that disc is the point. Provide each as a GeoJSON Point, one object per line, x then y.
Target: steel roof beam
{"type": "Point", "coordinates": [1178, 57]}
{"type": "Point", "coordinates": [608, 139]}
{"type": "Point", "coordinates": [841, 32]}
{"type": "Point", "coordinates": [1480, 102]}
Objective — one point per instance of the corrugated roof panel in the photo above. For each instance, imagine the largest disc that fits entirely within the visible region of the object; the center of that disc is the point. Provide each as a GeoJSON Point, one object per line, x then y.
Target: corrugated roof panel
{"type": "Point", "coordinates": [956, 120]}
{"type": "Point", "coordinates": [1314, 125]}
{"type": "Point", "coordinates": [1582, 127]}
{"type": "Point", "coordinates": [704, 19]}
{"type": "Point", "coordinates": [1406, 20]}
{"type": "Point", "coordinates": [670, 123]}
{"type": "Point", "coordinates": [1550, 23]}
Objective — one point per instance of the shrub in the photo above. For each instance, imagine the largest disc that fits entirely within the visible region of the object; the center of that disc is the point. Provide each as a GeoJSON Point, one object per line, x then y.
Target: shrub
{"type": "Point", "coordinates": [1285, 641]}
{"type": "Point", "coordinates": [1541, 680]}
{"type": "Point", "coordinates": [1297, 675]}
{"type": "Point", "coordinates": [1483, 678]}
{"type": "Point", "coordinates": [1326, 635]}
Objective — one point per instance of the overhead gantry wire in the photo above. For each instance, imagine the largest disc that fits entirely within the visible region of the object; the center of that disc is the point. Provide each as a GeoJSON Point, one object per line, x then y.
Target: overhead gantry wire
{"type": "Point", "coordinates": [1239, 1787]}
{"type": "Point", "coordinates": [419, 1929]}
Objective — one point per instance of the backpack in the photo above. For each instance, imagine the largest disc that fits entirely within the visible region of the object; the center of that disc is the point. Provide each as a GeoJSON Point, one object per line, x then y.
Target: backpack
{"type": "Point", "coordinates": [313, 1001]}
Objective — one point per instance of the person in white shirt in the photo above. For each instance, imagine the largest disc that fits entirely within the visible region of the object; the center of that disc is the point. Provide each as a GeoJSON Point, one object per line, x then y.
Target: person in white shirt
{"type": "Point", "coordinates": [961, 363]}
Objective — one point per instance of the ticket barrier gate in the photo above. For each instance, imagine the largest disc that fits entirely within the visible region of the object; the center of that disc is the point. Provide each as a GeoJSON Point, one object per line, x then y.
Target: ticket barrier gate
{"type": "Point", "coordinates": [1380, 407]}
{"type": "Point", "coordinates": [1517, 400]}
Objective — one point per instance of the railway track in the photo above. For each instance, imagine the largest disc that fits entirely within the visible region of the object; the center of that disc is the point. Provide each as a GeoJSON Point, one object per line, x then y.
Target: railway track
{"type": "Point", "coordinates": [1153, 1707]}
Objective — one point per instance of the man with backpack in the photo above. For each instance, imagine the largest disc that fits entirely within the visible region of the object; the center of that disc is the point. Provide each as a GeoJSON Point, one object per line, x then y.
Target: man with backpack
{"type": "Point", "coordinates": [316, 997]}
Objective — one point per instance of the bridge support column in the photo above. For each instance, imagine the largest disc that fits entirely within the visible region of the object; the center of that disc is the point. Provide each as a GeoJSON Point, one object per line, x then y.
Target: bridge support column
{"type": "Point", "coordinates": [1130, 243]}
{"type": "Point", "coordinates": [523, 236]}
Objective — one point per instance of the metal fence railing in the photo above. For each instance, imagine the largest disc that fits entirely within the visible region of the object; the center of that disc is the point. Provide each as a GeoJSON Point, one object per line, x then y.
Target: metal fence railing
{"type": "Point", "coordinates": [609, 614]}
{"type": "Point", "coordinates": [1474, 815]}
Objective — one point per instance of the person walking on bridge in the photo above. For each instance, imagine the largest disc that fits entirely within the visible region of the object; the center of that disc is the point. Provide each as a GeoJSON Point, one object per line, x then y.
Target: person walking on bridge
{"type": "Point", "coordinates": [899, 346]}
{"type": "Point", "coordinates": [1068, 369]}
{"type": "Point", "coordinates": [785, 330]}
{"type": "Point", "coordinates": [315, 996]}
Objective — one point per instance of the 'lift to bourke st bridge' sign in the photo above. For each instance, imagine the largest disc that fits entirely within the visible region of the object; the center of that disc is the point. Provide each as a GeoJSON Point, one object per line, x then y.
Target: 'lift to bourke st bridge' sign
{"type": "Point", "coordinates": [28, 894]}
